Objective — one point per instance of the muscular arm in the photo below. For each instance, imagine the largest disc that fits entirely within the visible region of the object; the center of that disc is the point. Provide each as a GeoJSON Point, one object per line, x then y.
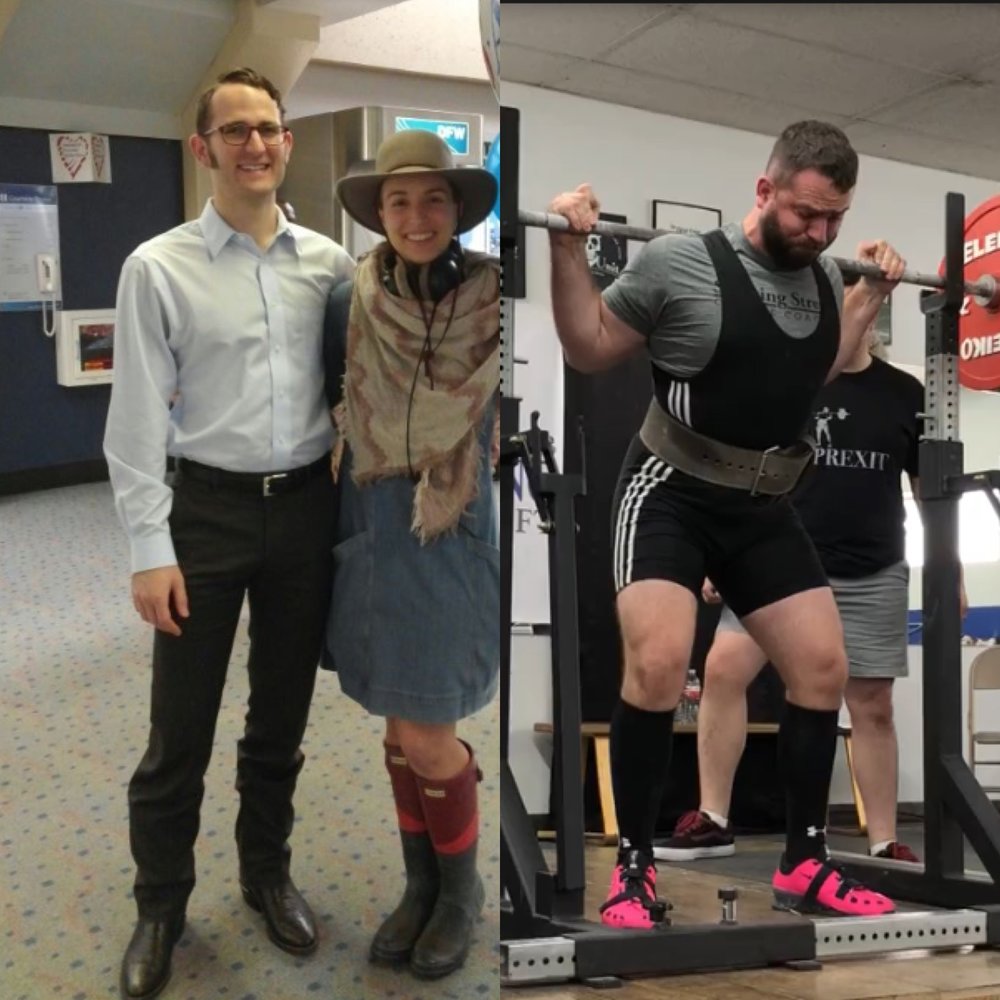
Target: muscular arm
{"type": "Point", "coordinates": [592, 337]}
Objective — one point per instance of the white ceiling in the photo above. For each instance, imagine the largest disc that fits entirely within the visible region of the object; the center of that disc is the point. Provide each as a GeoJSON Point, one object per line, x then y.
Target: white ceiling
{"type": "Point", "coordinates": [131, 66]}
{"type": "Point", "coordinates": [919, 83]}
{"type": "Point", "coordinates": [329, 11]}
{"type": "Point", "coordinates": [111, 52]}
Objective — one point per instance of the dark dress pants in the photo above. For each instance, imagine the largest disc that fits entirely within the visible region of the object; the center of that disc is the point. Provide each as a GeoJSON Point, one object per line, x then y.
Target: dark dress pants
{"type": "Point", "coordinates": [276, 551]}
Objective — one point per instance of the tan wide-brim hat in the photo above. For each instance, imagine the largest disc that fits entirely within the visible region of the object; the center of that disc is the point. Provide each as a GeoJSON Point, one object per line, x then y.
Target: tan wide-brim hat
{"type": "Point", "coordinates": [417, 151]}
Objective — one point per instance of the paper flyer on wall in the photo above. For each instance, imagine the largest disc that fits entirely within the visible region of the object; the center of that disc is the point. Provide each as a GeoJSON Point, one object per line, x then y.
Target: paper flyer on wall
{"type": "Point", "coordinates": [29, 225]}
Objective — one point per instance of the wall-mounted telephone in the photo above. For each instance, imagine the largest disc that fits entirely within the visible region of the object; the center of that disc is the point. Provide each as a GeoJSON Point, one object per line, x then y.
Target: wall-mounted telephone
{"type": "Point", "coordinates": [45, 266]}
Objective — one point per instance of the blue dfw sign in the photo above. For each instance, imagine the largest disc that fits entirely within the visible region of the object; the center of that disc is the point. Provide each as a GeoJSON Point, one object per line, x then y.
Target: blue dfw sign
{"type": "Point", "coordinates": [455, 134]}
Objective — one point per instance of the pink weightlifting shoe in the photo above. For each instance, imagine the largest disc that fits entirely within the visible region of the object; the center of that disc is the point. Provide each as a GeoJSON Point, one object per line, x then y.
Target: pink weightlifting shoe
{"type": "Point", "coordinates": [632, 899]}
{"type": "Point", "coordinates": [818, 886]}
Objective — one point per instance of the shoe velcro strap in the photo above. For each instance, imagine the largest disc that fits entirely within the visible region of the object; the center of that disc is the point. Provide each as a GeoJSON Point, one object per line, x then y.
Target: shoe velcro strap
{"type": "Point", "coordinates": [825, 870]}
{"type": "Point", "coordinates": [635, 886]}
{"type": "Point", "coordinates": [657, 908]}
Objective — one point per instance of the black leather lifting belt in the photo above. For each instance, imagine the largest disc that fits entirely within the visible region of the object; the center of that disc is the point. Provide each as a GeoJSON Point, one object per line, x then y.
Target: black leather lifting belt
{"type": "Point", "coordinates": [773, 472]}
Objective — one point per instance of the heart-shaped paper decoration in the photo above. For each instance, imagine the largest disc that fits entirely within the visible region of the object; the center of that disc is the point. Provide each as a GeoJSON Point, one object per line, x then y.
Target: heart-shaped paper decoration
{"type": "Point", "coordinates": [73, 151]}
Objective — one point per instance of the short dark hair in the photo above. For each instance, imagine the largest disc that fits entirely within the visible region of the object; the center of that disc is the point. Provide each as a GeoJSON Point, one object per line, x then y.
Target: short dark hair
{"type": "Point", "coordinates": [249, 78]}
{"type": "Point", "coordinates": [814, 145]}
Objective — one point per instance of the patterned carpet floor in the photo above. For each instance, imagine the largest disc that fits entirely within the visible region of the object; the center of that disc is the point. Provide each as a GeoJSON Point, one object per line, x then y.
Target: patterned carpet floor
{"type": "Point", "coordinates": [74, 692]}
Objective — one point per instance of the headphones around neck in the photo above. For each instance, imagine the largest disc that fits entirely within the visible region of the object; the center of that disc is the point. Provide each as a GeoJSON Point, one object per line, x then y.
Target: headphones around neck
{"type": "Point", "coordinates": [444, 273]}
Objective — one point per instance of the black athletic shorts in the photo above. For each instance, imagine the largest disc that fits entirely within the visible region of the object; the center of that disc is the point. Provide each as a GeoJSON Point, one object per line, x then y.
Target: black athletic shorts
{"type": "Point", "coordinates": [667, 525]}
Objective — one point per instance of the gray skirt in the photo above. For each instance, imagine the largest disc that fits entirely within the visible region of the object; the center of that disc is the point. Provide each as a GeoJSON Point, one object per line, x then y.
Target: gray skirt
{"type": "Point", "coordinates": [873, 611]}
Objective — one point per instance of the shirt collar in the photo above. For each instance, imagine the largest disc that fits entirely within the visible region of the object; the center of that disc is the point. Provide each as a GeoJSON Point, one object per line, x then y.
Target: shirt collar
{"type": "Point", "coordinates": [218, 232]}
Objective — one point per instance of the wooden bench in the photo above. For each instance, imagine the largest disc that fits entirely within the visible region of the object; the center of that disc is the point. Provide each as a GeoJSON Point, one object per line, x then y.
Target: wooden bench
{"type": "Point", "coordinates": [599, 733]}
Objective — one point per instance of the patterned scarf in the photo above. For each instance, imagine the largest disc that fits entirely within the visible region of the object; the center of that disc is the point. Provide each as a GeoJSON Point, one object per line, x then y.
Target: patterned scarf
{"type": "Point", "coordinates": [452, 376]}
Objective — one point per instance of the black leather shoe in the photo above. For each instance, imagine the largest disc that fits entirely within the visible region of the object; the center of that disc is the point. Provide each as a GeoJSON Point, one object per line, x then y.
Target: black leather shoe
{"type": "Point", "coordinates": [290, 923]}
{"type": "Point", "coordinates": [146, 965]}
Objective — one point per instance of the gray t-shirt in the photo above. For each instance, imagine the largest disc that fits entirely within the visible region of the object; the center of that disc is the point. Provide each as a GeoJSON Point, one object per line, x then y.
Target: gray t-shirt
{"type": "Point", "coordinates": [669, 293]}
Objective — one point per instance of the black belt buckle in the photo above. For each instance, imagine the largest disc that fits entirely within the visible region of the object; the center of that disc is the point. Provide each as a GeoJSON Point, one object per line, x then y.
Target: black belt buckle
{"type": "Point", "coordinates": [268, 488]}
{"type": "Point", "coordinates": [760, 468]}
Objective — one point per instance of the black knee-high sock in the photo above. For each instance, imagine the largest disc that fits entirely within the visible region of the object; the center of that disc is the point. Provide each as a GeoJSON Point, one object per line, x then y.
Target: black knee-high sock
{"type": "Point", "coordinates": [641, 742]}
{"type": "Point", "coordinates": [807, 744]}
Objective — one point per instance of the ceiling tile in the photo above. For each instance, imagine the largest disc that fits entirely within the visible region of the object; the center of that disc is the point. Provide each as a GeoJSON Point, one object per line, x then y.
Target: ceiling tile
{"type": "Point", "coordinates": [413, 36]}
{"type": "Point", "coordinates": [946, 38]}
{"type": "Point", "coordinates": [525, 65]}
{"type": "Point", "coordinates": [684, 100]}
{"type": "Point", "coordinates": [567, 29]}
{"type": "Point", "coordinates": [905, 146]}
{"type": "Point", "coordinates": [956, 112]}
{"type": "Point", "coordinates": [763, 66]}
{"type": "Point", "coordinates": [989, 71]}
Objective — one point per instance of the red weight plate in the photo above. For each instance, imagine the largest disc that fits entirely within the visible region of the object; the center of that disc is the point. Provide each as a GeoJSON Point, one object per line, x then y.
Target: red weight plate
{"type": "Point", "coordinates": [979, 329]}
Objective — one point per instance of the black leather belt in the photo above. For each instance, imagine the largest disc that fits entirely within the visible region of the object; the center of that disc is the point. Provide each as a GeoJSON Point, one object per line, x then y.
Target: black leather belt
{"type": "Point", "coordinates": [774, 471]}
{"type": "Point", "coordinates": [265, 484]}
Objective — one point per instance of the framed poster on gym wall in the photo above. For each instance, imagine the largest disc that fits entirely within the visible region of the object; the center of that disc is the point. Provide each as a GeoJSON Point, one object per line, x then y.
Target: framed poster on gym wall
{"type": "Point", "coordinates": [607, 255]}
{"type": "Point", "coordinates": [684, 217]}
{"type": "Point", "coordinates": [883, 322]}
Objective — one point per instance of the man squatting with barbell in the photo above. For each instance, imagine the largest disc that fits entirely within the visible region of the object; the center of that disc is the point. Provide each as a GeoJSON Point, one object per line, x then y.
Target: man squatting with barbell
{"type": "Point", "coordinates": [703, 487]}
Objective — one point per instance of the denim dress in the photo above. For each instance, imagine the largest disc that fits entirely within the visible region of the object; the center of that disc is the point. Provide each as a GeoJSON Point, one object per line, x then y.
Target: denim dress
{"type": "Point", "coordinates": [413, 630]}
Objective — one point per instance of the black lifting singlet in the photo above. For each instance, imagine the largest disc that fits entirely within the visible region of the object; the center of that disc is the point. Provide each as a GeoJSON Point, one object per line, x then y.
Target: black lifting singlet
{"type": "Point", "coordinates": [760, 386]}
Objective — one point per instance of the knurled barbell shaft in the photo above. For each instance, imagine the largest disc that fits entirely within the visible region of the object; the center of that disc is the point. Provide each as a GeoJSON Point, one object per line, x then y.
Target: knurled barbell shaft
{"type": "Point", "coordinates": [984, 289]}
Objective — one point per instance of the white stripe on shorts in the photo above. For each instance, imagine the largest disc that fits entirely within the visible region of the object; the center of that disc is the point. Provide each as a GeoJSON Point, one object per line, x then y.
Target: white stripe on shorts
{"type": "Point", "coordinates": [652, 473]}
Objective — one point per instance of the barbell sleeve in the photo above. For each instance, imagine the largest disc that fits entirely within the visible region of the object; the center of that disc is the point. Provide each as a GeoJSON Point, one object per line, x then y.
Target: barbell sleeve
{"type": "Point", "coordinates": [560, 224]}
{"type": "Point", "coordinates": [985, 290]}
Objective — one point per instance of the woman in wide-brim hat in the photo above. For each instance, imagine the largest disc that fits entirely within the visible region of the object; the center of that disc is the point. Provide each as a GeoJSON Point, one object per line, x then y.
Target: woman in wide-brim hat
{"type": "Point", "coordinates": [413, 369]}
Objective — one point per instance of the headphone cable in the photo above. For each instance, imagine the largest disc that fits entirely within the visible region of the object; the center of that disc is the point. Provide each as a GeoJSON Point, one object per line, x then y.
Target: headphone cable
{"type": "Point", "coordinates": [422, 357]}
{"type": "Point", "coordinates": [426, 354]}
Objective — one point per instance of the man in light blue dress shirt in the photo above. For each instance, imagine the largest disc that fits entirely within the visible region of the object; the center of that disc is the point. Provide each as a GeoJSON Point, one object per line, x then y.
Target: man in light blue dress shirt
{"type": "Point", "coordinates": [218, 365]}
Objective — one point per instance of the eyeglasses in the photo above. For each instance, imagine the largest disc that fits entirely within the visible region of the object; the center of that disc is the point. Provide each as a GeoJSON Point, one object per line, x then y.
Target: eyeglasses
{"type": "Point", "coordinates": [238, 133]}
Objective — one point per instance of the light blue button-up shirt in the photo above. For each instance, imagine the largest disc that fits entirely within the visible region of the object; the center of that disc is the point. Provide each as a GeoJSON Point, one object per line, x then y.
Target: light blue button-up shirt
{"type": "Point", "coordinates": [218, 358]}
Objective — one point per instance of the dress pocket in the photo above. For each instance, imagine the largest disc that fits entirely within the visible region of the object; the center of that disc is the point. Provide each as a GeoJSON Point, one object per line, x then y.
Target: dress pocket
{"type": "Point", "coordinates": [348, 635]}
{"type": "Point", "coordinates": [482, 565]}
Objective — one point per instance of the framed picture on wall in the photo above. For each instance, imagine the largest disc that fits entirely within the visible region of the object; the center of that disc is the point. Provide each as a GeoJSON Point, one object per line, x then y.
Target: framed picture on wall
{"type": "Point", "coordinates": [85, 348]}
{"type": "Point", "coordinates": [883, 322]}
{"type": "Point", "coordinates": [684, 217]}
{"type": "Point", "coordinates": [607, 255]}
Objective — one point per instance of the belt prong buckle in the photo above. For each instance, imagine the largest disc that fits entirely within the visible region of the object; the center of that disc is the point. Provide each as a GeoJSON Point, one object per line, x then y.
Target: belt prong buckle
{"type": "Point", "coordinates": [760, 468]}
{"type": "Point", "coordinates": [269, 479]}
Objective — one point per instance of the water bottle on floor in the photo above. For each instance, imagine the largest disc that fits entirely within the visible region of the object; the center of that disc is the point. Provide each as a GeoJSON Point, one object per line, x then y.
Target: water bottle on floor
{"type": "Point", "coordinates": [691, 698]}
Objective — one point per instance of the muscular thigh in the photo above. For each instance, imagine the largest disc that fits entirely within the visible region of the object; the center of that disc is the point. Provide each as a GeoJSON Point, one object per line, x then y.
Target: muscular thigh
{"type": "Point", "coordinates": [657, 621]}
{"type": "Point", "coordinates": [734, 659]}
{"type": "Point", "coordinates": [801, 635]}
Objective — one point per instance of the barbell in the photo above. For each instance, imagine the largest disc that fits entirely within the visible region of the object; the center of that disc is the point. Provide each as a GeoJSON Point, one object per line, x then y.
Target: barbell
{"type": "Point", "coordinates": [985, 290]}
